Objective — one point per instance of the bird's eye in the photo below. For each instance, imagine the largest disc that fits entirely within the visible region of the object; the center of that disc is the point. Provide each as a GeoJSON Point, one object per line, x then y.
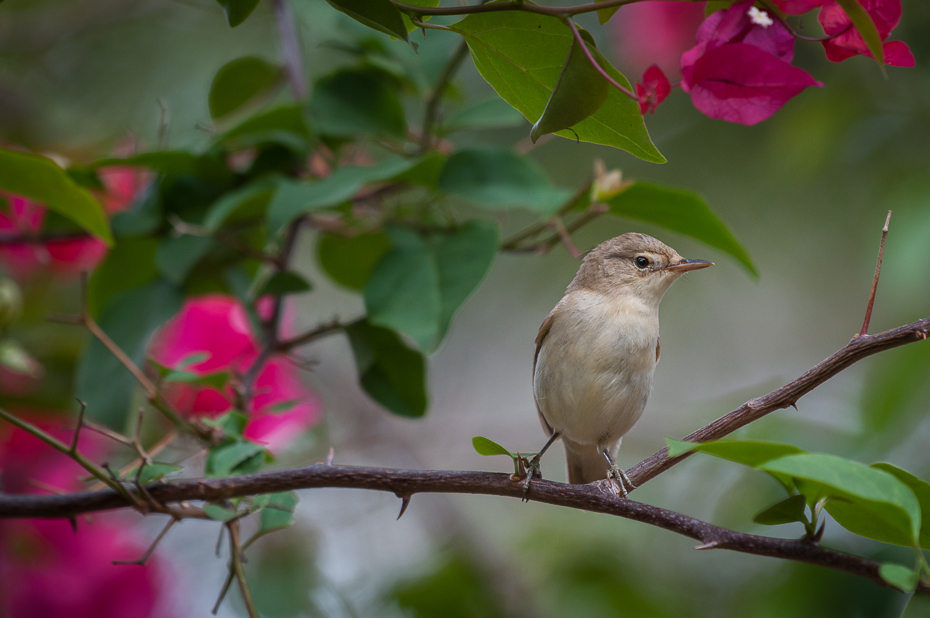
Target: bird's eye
{"type": "Point", "coordinates": [642, 262]}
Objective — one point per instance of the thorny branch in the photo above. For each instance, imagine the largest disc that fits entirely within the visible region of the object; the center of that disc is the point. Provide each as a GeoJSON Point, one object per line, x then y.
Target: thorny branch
{"type": "Point", "coordinates": [587, 497]}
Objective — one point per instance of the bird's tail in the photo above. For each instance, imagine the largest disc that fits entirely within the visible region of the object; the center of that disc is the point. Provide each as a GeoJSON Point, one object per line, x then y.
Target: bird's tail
{"type": "Point", "coordinates": [586, 463]}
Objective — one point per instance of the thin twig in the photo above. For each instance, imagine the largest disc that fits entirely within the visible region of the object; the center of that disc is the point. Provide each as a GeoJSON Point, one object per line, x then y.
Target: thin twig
{"type": "Point", "coordinates": [594, 63]}
{"type": "Point", "coordinates": [77, 429]}
{"type": "Point", "coordinates": [435, 96]}
{"type": "Point", "coordinates": [512, 243]}
{"type": "Point", "coordinates": [514, 5]}
{"type": "Point", "coordinates": [322, 330]}
{"type": "Point", "coordinates": [878, 271]}
{"type": "Point", "coordinates": [235, 549]}
{"type": "Point", "coordinates": [290, 47]}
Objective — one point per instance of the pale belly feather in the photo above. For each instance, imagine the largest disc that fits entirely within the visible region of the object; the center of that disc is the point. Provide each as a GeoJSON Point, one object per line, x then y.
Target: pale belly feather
{"type": "Point", "coordinates": [595, 368]}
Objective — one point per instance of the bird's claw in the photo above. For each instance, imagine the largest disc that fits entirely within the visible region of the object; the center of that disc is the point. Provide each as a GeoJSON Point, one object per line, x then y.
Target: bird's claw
{"type": "Point", "coordinates": [618, 479]}
{"type": "Point", "coordinates": [532, 470]}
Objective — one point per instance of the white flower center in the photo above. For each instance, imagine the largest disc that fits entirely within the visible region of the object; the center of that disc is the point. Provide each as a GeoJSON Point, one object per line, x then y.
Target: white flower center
{"type": "Point", "coordinates": [760, 18]}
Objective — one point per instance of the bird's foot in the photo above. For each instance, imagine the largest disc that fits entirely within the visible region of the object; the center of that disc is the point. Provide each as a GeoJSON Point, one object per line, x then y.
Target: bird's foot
{"type": "Point", "coordinates": [532, 469]}
{"type": "Point", "coordinates": [620, 481]}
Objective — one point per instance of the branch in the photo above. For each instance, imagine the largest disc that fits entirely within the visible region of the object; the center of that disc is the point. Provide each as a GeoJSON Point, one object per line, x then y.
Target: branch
{"type": "Point", "coordinates": [435, 97]}
{"type": "Point", "coordinates": [290, 48]}
{"type": "Point", "coordinates": [858, 348]}
{"type": "Point", "coordinates": [515, 5]}
{"type": "Point", "coordinates": [593, 497]}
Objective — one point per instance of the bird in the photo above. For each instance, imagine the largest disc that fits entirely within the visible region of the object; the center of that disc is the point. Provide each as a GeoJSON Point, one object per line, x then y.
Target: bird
{"type": "Point", "coordinates": [596, 354]}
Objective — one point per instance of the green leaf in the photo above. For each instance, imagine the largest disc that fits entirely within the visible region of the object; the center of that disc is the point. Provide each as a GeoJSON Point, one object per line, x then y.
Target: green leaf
{"type": "Point", "coordinates": [745, 452]}
{"type": "Point", "coordinates": [486, 447]}
{"type": "Point", "coordinates": [250, 201]}
{"type": "Point", "coordinates": [278, 513]}
{"type": "Point", "coordinates": [216, 380]}
{"type": "Point", "coordinates": [284, 125]}
{"type": "Point", "coordinates": [498, 178]}
{"type": "Point", "coordinates": [866, 27]}
{"type": "Point", "coordinates": [237, 11]}
{"type": "Point", "coordinates": [899, 576]}
{"type": "Point", "coordinates": [239, 81]}
{"type": "Point", "coordinates": [403, 290]}
{"type": "Point", "coordinates": [489, 113]}
{"type": "Point", "coordinates": [353, 102]}
{"type": "Point", "coordinates": [177, 257]}
{"type": "Point", "coordinates": [713, 6]}
{"type": "Point", "coordinates": [917, 607]}
{"type": "Point", "coordinates": [129, 319]}
{"type": "Point", "coordinates": [349, 261]}
{"type": "Point", "coordinates": [154, 471]}
{"type": "Point", "coordinates": [284, 282]}
{"type": "Point", "coordinates": [418, 286]}
{"type": "Point", "coordinates": [604, 15]}
{"type": "Point", "coordinates": [679, 211]}
{"type": "Point", "coordinates": [232, 423]}
{"type": "Point", "coordinates": [41, 180]}
{"type": "Point", "coordinates": [521, 54]}
{"type": "Point", "coordinates": [224, 460]}
{"type": "Point", "coordinates": [378, 14]}
{"type": "Point", "coordinates": [787, 511]}
{"type": "Point", "coordinates": [293, 199]}
{"type": "Point", "coordinates": [579, 92]}
{"type": "Point", "coordinates": [219, 513]}
{"type": "Point", "coordinates": [864, 500]}
{"type": "Point", "coordinates": [390, 372]}
{"type": "Point", "coordinates": [921, 489]}
{"type": "Point", "coordinates": [130, 264]}
{"type": "Point", "coordinates": [13, 356]}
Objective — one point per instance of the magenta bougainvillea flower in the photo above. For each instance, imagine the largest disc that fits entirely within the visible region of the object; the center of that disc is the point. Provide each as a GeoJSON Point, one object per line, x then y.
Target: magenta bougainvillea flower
{"type": "Point", "coordinates": [282, 408]}
{"type": "Point", "coordinates": [799, 7]}
{"type": "Point", "coordinates": [846, 42]}
{"type": "Point", "coordinates": [46, 569]}
{"type": "Point", "coordinates": [740, 70]}
{"type": "Point", "coordinates": [652, 90]}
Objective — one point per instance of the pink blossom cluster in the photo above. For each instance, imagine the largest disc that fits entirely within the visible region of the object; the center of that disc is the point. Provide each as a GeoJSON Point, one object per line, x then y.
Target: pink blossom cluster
{"type": "Point", "coordinates": [281, 408]}
{"type": "Point", "coordinates": [46, 568]}
{"type": "Point", "coordinates": [740, 68]}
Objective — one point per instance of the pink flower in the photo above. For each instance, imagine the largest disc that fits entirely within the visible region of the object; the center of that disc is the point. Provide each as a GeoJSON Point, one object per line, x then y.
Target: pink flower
{"type": "Point", "coordinates": [647, 33]}
{"type": "Point", "coordinates": [799, 7]}
{"type": "Point", "coordinates": [846, 41]}
{"type": "Point", "coordinates": [281, 409]}
{"type": "Point", "coordinates": [48, 570]}
{"type": "Point", "coordinates": [652, 90]}
{"type": "Point", "coordinates": [740, 69]}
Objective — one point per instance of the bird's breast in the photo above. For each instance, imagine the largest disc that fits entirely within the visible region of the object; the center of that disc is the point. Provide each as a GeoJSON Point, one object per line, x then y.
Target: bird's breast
{"type": "Point", "coordinates": [595, 367]}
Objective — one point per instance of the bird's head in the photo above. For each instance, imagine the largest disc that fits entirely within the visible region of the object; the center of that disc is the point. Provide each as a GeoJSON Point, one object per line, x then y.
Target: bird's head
{"type": "Point", "coordinates": [633, 264]}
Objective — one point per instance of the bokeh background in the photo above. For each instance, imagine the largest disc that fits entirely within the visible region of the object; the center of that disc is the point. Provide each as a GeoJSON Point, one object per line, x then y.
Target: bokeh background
{"type": "Point", "coordinates": [805, 192]}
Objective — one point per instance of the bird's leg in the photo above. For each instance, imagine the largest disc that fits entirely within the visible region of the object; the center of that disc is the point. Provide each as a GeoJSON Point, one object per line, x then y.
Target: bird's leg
{"type": "Point", "coordinates": [617, 474]}
{"type": "Point", "coordinates": [533, 468]}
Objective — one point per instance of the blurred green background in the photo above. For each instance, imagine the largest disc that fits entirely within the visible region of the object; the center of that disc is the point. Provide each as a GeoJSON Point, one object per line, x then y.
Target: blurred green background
{"type": "Point", "coordinates": [805, 192]}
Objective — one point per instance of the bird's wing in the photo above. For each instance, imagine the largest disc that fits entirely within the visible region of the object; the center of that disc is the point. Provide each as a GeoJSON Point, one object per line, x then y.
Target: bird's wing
{"type": "Point", "coordinates": [540, 337]}
{"type": "Point", "coordinates": [658, 348]}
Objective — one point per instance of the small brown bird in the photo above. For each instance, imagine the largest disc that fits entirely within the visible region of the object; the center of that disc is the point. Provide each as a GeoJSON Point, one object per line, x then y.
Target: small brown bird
{"type": "Point", "coordinates": [597, 351]}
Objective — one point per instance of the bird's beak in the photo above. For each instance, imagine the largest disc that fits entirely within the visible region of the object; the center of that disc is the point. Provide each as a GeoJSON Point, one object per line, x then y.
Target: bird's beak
{"type": "Point", "coordinates": [686, 265]}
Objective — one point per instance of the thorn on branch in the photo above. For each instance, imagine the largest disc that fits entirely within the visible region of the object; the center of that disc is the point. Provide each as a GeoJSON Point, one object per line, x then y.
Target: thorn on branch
{"type": "Point", "coordinates": [74, 523]}
{"type": "Point", "coordinates": [405, 502]}
{"type": "Point", "coordinates": [878, 271]}
{"type": "Point", "coordinates": [331, 456]}
{"type": "Point", "coordinates": [713, 544]}
{"type": "Point", "coordinates": [77, 430]}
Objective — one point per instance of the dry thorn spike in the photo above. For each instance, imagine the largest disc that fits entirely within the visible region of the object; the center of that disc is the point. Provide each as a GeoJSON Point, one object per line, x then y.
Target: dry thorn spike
{"type": "Point", "coordinates": [141, 561]}
{"type": "Point", "coordinates": [331, 456]}
{"type": "Point", "coordinates": [405, 502]}
{"type": "Point", "coordinates": [80, 424]}
{"type": "Point", "coordinates": [878, 271]}
{"type": "Point", "coordinates": [709, 545]}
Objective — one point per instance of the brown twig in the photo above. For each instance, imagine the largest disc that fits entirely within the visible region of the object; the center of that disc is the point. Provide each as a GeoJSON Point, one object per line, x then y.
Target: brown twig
{"type": "Point", "coordinates": [754, 409]}
{"type": "Point", "coordinates": [514, 5]}
{"type": "Point", "coordinates": [878, 271]}
{"type": "Point", "coordinates": [597, 67]}
{"type": "Point", "coordinates": [235, 549]}
{"type": "Point", "coordinates": [290, 48]}
{"type": "Point", "coordinates": [593, 497]}
{"type": "Point", "coordinates": [328, 328]}
{"type": "Point", "coordinates": [435, 96]}
{"type": "Point", "coordinates": [512, 243]}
